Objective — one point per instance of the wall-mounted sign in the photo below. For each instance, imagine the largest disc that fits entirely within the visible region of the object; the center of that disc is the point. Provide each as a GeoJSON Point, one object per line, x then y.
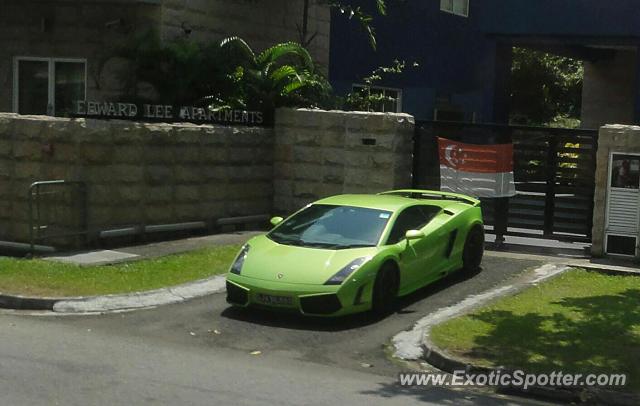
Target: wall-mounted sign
{"type": "Point", "coordinates": [166, 112]}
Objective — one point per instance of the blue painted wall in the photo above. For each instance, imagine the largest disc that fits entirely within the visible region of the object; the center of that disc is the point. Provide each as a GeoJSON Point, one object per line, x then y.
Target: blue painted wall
{"type": "Point", "coordinates": [607, 18]}
{"type": "Point", "coordinates": [457, 55]}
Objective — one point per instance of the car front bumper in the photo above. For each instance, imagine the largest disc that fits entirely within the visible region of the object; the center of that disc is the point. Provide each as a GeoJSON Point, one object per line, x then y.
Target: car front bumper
{"type": "Point", "coordinates": [311, 300]}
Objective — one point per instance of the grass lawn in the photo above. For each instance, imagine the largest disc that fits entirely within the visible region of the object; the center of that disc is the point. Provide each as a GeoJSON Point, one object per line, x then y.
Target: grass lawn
{"type": "Point", "coordinates": [45, 278]}
{"type": "Point", "coordinates": [582, 322]}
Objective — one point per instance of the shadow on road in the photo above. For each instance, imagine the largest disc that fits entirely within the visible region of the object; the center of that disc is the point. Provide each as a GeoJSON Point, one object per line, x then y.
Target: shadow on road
{"type": "Point", "coordinates": [295, 321]}
{"type": "Point", "coordinates": [438, 395]}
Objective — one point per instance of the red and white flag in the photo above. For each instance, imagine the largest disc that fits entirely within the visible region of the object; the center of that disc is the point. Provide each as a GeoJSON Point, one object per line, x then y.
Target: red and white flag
{"type": "Point", "coordinates": [476, 170]}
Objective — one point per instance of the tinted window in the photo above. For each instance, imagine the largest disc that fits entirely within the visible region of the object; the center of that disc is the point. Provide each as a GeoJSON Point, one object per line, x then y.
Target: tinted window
{"type": "Point", "coordinates": [412, 218]}
{"type": "Point", "coordinates": [332, 227]}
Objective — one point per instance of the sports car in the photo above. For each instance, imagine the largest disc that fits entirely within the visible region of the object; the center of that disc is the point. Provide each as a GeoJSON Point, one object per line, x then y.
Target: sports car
{"type": "Point", "coordinates": [354, 253]}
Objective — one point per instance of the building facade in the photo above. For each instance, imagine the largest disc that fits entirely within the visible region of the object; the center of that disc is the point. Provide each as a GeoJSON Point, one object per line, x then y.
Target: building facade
{"type": "Point", "coordinates": [53, 52]}
{"type": "Point", "coordinates": [464, 48]}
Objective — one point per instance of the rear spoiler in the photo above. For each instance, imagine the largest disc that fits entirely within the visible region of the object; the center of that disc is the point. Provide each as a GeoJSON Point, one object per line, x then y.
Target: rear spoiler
{"type": "Point", "coordinates": [433, 195]}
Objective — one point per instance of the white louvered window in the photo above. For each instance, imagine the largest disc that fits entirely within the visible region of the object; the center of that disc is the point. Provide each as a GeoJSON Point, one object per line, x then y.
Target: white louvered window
{"type": "Point", "coordinates": [623, 206]}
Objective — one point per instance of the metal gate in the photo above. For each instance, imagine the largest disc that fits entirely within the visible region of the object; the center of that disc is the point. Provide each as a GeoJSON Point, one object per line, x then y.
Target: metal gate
{"type": "Point", "coordinates": [58, 213]}
{"type": "Point", "coordinates": [554, 171]}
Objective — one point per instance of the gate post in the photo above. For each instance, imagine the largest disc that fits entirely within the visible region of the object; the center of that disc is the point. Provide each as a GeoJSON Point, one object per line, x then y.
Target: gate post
{"type": "Point", "coordinates": [550, 195]}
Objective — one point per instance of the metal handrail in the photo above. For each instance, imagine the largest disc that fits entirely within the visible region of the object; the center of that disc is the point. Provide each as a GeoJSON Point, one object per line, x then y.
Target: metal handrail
{"type": "Point", "coordinates": [34, 189]}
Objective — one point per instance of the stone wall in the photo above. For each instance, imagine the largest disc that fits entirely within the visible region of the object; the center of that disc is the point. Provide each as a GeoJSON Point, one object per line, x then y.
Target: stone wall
{"type": "Point", "coordinates": [136, 174]}
{"type": "Point", "coordinates": [609, 91]}
{"type": "Point", "coordinates": [144, 174]}
{"type": "Point", "coordinates": [262, 23]}
{"type": "Point", "coordinates": [320, 153]}
{"type": "Point", "coordinates": [613, 138]}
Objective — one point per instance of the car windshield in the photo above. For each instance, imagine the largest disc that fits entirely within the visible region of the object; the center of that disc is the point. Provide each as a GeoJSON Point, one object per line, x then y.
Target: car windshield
{"type": "Point", "coordinates": [332, 227]}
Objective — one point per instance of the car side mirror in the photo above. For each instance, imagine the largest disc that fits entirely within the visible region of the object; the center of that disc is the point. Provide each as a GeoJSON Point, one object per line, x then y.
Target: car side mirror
{"type": "Point", "coordinates": [276, 220]}
{"type": "Point", "coordinates": [414, 235]}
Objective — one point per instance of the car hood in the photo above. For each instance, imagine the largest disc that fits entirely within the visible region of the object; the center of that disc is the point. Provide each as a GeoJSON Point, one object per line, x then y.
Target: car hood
{"type": "Point", "coordinates": [268, 260]}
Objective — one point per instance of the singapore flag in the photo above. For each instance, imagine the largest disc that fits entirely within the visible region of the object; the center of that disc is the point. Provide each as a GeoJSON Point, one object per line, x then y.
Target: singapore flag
{"type": "Point", "coordinates": [476, 170]}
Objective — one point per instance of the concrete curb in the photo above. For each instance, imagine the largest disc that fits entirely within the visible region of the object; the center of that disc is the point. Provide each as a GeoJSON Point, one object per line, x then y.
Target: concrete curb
{"type": "Point", "coordinates": [117, 302]}
{"type": "Point", "coordinates": [415, 344]}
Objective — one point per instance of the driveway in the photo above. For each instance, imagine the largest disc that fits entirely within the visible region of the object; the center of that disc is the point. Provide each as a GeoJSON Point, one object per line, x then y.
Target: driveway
{"type": "Point", "coordinates": [216, 341]}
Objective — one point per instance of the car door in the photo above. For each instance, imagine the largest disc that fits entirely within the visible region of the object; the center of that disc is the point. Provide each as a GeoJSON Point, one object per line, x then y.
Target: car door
{"type": "Point", "coordinates": [415, 255]}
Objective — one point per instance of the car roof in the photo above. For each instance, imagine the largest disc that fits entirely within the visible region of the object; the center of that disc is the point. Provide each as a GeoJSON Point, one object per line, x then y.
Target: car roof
{"type": "Point", "coordinates": [380, 202]}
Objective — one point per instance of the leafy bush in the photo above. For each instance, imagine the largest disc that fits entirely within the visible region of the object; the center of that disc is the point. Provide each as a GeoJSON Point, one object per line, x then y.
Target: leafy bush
{"type": "Point", "coordinates": [181, 71]}
{"type": "Point", "coordinates": [283, 75]}
{"type": "Point", "coordinates": [546, 89]}
{"type": "Point", "coordinates": [223, 75]}
{"type": "Point", "coordinates": [367, 98]}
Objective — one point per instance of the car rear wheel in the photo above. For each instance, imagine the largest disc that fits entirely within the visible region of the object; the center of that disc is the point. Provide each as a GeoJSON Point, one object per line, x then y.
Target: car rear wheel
{"type": "Point", "coordinates": [385, 290]}
{"type": "Point", "coordinates": [473, 249]}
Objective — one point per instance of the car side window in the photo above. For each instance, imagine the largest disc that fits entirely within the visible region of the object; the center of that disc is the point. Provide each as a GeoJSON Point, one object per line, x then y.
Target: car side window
{"type": "Point", "coordinates": [412, 218]}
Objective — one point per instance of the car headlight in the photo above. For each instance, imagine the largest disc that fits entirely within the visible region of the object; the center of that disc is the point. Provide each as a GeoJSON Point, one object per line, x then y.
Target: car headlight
{"type": "Point", "coordinates": [344, 273]}
{"type": "Point", "coordinates": [237, 264]}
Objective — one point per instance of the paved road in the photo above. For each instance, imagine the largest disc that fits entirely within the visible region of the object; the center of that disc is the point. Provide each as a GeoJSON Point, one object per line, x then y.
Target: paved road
{"type": "Point", "coordinates": [172, 355]}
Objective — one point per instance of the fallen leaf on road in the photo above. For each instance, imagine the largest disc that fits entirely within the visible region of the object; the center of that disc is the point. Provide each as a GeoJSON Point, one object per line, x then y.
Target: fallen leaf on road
{"type": "Point", "coordinates": [255, 353]}
{"type": "Point", "coordinates": [192, 333]}
{"type": "Point", "coordinates": [216, 331]}
{"type": "Point", "coordinates": [365, 365]}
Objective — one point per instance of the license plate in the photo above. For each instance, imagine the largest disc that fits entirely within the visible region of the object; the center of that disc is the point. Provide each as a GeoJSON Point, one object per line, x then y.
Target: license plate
{"type": "Point", "coordinates": [275, 300]}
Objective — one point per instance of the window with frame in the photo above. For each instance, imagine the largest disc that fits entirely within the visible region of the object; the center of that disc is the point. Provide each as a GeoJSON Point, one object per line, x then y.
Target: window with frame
{"type": "Point", "coordinates": [392, 98]}
{"type": "Point", "coordinates": [48, 86]}
{"type": "Point", "coordinates": [412, 218]}
{"type": "Point", "coordinates": [457, 7]}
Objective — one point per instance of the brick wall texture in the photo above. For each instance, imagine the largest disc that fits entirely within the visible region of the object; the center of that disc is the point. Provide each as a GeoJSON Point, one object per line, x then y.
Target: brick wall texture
{"type": "Point", "coordinates": [136, 174]}
{"type": "Point", "coordinates": [319, 154]}
{"type": "Point", "coordinates": [140, 174]}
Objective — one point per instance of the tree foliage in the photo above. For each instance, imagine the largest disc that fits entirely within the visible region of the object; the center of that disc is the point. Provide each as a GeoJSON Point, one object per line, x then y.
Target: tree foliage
{"type": "Point", "coordinates": [368, 98]}
{"type": "Point", "coordinates": [180, 71]}
{"type": "Point", "coordinates": [545, 89]}
{"type": "Point", "coordinates": [229, 74]}
{"type": "Point", "coordinates": [350, 11]}
{"type": "Point", "coordinates": [282, 75]}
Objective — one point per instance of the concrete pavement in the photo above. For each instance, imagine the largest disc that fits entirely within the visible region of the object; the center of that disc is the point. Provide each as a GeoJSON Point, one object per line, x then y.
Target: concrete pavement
{"type": "Point", "coordinates": [347, 342]}
{"type": "Point", "coordinates": [152, 358]}
{"type": "Point", "coordinates": [152, 250]}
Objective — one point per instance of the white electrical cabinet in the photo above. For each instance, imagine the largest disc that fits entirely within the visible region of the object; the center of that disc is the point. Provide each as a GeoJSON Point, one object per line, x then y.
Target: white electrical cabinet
{"type": "Point", "coordinates": [622, 233]}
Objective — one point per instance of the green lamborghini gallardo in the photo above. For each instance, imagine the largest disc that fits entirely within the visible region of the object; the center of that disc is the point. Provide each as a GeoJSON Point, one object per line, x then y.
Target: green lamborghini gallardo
{"type": "Point", "coordinates": [353, 253]}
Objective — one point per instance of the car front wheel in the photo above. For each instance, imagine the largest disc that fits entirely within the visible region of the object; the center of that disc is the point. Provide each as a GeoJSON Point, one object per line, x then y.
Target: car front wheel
{"type": "Point", "coordinates": [385, 290]}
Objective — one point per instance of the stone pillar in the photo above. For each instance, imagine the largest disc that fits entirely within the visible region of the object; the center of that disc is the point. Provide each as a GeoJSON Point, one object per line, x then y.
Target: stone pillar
{"type": "Point", "coordinates": [610, 90]}
{"type": "Point", "coordinates": [323, 153]}
{"type": "Point", "coordinates": [612, 138]}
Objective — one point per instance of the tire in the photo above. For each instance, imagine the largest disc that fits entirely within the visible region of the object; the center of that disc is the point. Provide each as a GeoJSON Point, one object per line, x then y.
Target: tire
{"type": "Point", "coordinates": [473, 250]}
{"type": "Point", "coordinates": [385, 290]}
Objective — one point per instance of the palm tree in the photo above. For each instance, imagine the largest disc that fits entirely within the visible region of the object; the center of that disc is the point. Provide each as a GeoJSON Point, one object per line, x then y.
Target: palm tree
{"type": "Point", "coordinates": [277, 76]}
